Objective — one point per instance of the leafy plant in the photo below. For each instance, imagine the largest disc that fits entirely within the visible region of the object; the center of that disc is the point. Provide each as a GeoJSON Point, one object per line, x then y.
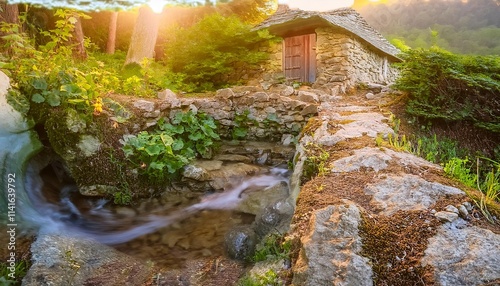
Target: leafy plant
{"type": "Point", "coordinates": [213, 52]}
{"type": "Point", "coordinates": [316, 162]}
{"type": "Point", "coordinates": [449, 87]}
{"type": "Point", "coordinates": [459, 169]}
{"type": "Point", "coordinates": [48, 75]}
{"type": "Point", "coordinates": [162, 153]}
{"type": "Point", "coordinates": [270, 278]}
{"type": "Point", "coordinates": [156, 154]}
{"type": "Point", "coordinates": [399, 142]}
{"type": "Point", "coordinates": [273, 246]}
{"type": "Point", "coordinates": [242, 122]}
{"type": "Point", "coordinates": [194, 131]}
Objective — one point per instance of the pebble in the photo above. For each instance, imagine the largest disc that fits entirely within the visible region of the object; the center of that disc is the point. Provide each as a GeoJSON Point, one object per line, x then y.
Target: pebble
{"type": "Point", "coordinates": [452, 209]}
{"type": "Point", "coordinates": [446, 216]}
{"type": "Point", "coordinates": [462, 211]}
{"type": "Point", "coordinates": [468, 206]}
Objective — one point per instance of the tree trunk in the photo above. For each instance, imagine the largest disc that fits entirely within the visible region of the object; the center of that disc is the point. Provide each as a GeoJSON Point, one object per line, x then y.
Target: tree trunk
{"type": "Point", "coordinates": [110, 46]}
{"type": "Point", "coordinates": [9, 13]}
{"type": "Point", "coordinates": [79, 49]}
{"type": "Point", "coordinates": [143, 41]}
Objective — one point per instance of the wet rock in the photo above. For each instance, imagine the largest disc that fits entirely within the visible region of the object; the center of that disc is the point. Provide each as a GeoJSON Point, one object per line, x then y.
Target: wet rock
{"type": "Point", "coordinates": [330, 251]}
{"type": "Point", "coordinates": [233, 158]}
{"type": "Point", "coordinates": [240, 242]}
{"type": "Point", "coordinates": [274, 217]}
{"type": "Point", "coordinates": [446, 216]}
{"type": "Point", "coordinates": [255, 200]}
{"type": "Point", "coordinates": [126, 212]}
{"type": "Point", "coordinates": [463, 256]}
{"type": "Point", "coordinates": [408, 192]}
{"type": "Point", "coordinates": [59, 260]}
{"type": "Point", "coordinates": [97, 190]}
{"type": "Point", "coordinates": [144, 105]}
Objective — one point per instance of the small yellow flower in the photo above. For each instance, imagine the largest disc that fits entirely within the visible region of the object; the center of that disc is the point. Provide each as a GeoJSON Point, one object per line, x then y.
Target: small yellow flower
{"type": "Point", "coordinates": [98, 106]}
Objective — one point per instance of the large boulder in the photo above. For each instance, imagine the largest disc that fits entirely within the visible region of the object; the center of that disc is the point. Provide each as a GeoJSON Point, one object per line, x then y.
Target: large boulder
{"type": "Point", "coordinates": [59, 260]}
{"type": "Point", "coordinates": [330, 250]}
{"type": "Point", "coordinates": [463, 255]}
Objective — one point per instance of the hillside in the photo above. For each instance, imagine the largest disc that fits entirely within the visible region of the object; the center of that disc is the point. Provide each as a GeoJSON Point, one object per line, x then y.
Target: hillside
{"type": "Point", "coordinates": [467, 27]}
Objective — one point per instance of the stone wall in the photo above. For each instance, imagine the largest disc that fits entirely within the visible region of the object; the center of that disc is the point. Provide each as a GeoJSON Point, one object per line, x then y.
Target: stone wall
{"type": "Point", "coordinates": [344, 61]}
{"type": "Point", "coordinates": [341, 62]}
{"type": "Point", "coordinates": [272, 115]}
{"type": "Point", "coordinates": [270, 71]}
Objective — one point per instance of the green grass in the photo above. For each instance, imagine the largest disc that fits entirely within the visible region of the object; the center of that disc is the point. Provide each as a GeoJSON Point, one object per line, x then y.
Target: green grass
{"type": "Point", "coordinates": [21, 268]}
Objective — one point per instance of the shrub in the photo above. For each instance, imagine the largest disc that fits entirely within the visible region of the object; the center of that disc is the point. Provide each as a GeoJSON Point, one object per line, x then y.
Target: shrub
{"type": "Point", "coordinates": [445, 86]}
{"type": "Point", "coordinates": [213, 50]}
{"type": "Point", "coordinates": [161, 154]}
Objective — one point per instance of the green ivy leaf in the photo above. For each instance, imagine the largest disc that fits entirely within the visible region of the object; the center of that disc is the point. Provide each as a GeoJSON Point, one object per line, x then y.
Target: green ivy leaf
{"type": "Point", "coordinates": [178, 145]}
{"type": "Point", "coordinates": [38, 98]}
{"type": "Point", "coordinates": [157, 165]}
{"type": "Point", "coordinates": [240, 132]}
{"type": "Point", "coordinates": [39, 83]}
{"type": "Point", "coordinates": [53, 99]}
{"type": "Point", "coordinates": [153, 150]}
{"type": "Point", "coordinates": [195, 136]}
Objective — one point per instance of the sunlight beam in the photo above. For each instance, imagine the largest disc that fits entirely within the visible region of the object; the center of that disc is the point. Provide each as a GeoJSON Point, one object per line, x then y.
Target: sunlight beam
{"type": "Point", "coordinates": [157, 5]}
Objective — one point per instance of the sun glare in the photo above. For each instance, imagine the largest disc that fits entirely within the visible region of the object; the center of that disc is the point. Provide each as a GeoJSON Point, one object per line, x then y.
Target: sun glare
{"type": "Point", "coordinates": [157, 5]}
{"type": "Point", "coordinates": [317, 5]}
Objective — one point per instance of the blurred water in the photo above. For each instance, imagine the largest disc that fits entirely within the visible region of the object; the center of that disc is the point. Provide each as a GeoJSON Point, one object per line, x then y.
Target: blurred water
{"type": "Point", "coordinates": [74, 215]}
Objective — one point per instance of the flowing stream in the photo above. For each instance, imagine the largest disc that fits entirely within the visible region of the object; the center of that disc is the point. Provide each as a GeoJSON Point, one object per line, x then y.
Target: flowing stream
{"type": "Point", "coordinates": [71, 214]}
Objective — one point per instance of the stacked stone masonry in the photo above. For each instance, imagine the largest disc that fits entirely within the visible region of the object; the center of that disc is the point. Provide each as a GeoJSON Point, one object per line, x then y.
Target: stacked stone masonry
{"type": "Point", "coordinates": [273, 115]}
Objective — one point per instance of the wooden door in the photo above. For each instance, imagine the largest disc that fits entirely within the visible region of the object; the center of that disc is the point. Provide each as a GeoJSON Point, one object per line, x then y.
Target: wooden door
{"type": "Point", "coordinates": [300, 58]}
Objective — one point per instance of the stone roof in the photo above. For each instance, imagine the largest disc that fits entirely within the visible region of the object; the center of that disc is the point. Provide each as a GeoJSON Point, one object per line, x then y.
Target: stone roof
{"type": "Point", "coordinates": [345, 18]}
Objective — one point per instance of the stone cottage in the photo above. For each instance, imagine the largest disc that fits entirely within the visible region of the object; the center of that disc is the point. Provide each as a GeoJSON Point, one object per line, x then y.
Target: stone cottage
{"type": "Point", "coordinates": [334, 49]}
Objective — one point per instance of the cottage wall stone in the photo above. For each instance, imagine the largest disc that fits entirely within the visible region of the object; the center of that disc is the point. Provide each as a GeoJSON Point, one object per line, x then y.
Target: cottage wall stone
{"type": "Point", "coordinates": [342, 61]}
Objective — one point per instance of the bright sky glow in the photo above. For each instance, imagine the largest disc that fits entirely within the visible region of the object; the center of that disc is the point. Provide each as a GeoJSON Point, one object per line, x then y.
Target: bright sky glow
{"type": "Point", "coordinates": [317, 5]}
{"type": "Point", "coordinates": [157, 5]}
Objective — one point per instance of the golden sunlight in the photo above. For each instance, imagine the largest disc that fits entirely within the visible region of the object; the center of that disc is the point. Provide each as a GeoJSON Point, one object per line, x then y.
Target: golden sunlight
{"type": "Point", "coordinates": [318, 5]}
{"type": "Point", "coordinates": [157, 5]}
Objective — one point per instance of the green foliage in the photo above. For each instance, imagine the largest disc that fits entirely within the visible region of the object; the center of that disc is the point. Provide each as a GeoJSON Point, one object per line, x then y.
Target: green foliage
{"type": "Point", "coordinates": [444, 86]}
{"type": "Point", "coordinates": [270, 278]}
{"type": "Point", "coordinates": [48, 75]}
{"type": "Point", "coordinates": [437, 150]}
{"type": "Point", "coordinates": [316, 162]}
{"type": "Point", "coordinates": [123, 197]}
{"type": "Point", "coordinates": [161, 154]}
{"type": "Point", "coordinates": [210, 53]}
{"type": "Point", "coordinates": [489, 185]}
{"type": "Point", "coordinates": [274, 247]}
{"type": "Point", "coordinates": [466, 28]}
{"type": "Point", "coordinates": [20, 269]}
{"type": "Point", "coordinates": [460, 169]}
{"type": "Point", "coordinates": [242, 122]}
